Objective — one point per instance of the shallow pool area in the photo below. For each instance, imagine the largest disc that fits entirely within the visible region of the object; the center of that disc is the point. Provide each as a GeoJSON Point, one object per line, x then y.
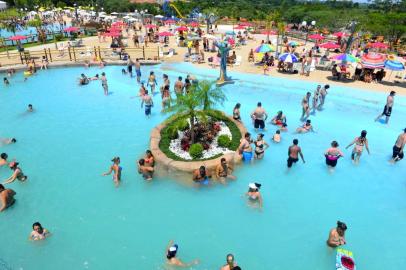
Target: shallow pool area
{"type": "Point", "coordinates": [68, 142]}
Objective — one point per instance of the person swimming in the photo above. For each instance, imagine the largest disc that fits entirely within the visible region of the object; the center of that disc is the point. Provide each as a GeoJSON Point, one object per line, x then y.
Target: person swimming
{"type": "Point", "coordinates": [336, 236]}
{"type": "Point", "coordinates": [3, 159]}
{"type": "Point", "coordinates": [6, 81]}
{"type": "Point", "coordinates": [253, 193]}
{"type": "Point", "coordinates": [279, 119]}
{"type": "Point", "coordinates": [202, 175]}
{"type": "Point", "coordinates": [83, 80]}
{"type": "Point", "coordinates": [17, 173]}
{"type": "Point", "coordinates": [260, 146]}
{"type": "Point", "coordinates": [38, 232]}
{"type": "Point", "coordinates": [171, 259]}
{"type": "Point", "coordinates": [245, 148]}
{"type": "Point", "coordinates": [145, 170]}
{"type": "Point", "coordinates": [359, 143]}
{"type": "Point", "coordinates": [306, 127]}
{"type": "Point", "coordinates": [332, 154]}
{"type": "Point", "coordinates": [8, 141]}
{"type": "Point", "coordinates": [277, 136]}
{"type": "Point", "coordinates": [6, 198]}
{"type": "Point", "coordinates": [116, 168]}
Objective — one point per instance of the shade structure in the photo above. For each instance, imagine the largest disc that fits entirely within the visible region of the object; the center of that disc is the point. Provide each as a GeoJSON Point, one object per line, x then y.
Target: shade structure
{"type": "Point", "coordinates": [150, 26]}
{"type": "Point", "coordinates": [373, 60]}
{"type": "Point", "coordinates": [394, 65]}
{"type": "Point", "coordinates": [165, 34]}
{"type": "Point", "coordinates": [265, 48]}
{"type": "Point", "coordinates": [345, 57]}
{"type": "Point", "coordinates": [17, 37]}
{"type": "Point", "coordinates": [340, 34]}
{"type": "Point", "coordinates": [378, 45]}
{"type": "Point", "coordinates": [288, 58]}
{"type": "Point", "coordinates": [316, 37]}
{"type": "Point", "coordinates": [269, 32]}
{"type": "Point", "coordinates": [170, 21]}
{"type": "Point", "coordinates": [182, 28]}
{"type": "Point", "coordinates": [194, 24]}
{"type": "Point", "coordinates": [112, 34]}
{"type": "Point", "coordinates": [329, 45]}
{"type": "Point", "coordinates": [71, 29]}
{"type": "Point", "coordinates": [239, 27]}
{"type": "Point", "coordinates": [294, 44]}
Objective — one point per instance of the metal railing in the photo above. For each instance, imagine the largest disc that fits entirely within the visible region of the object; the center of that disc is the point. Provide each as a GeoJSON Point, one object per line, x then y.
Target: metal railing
{"type": "Point", "coordinates": [78, 54]}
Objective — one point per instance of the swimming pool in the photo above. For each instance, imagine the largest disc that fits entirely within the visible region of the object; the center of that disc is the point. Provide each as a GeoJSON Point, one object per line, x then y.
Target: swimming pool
{"type": "Point", "coordinates": [67, 143]}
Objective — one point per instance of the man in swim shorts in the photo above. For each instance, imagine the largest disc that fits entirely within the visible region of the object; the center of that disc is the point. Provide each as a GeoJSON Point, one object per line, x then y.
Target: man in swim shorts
{"type": "Point", "coordinates": [306, 106]}
{"type": "Point", "coordinates": [398, 147]}
{"type": "Point", "coordinates": [130, 66]}
{"type": "Point", "coordinates": [149, 103]}
{"type": "Point", "coordinates": [293, 153]}
{"type": "Point", "coordinates": [223, 171]}
{"type": "Point", "coordinates": [137, 65]}
{"type": "Point", "coordinates": [201, 175]}
{"type": "Point", "coordinates": [179, 86]}
{"type": "Point", "coordinates": [387, 110]}
{"type": "Point", "coordinates": [259, 117]}
{"type": "Point", "coordinates": [245, 148]}
{"type": "Point", "coordinates": [6, 198]}
{"type": "Point", "coordinates": [323, 94]}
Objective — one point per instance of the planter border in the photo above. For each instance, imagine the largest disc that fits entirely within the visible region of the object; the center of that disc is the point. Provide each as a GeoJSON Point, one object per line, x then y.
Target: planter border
{"type": "Point", "coordinates": [172, 165]}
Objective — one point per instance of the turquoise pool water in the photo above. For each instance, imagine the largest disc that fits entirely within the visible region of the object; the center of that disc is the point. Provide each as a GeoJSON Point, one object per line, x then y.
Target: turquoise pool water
{"type": "Point", "coordinates": [67, 144]}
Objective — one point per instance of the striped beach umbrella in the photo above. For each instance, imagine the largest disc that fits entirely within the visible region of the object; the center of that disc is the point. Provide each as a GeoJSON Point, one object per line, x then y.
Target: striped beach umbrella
{"type": "Point", "coordinates": [346, 58]}
{"type": "Point", "coordinates": [394, 65]}
{"type": "Point", "coordinates": [265, 48]}
{"type": "Point", "coordinates": [288, 58]}
{"type": "Point", "coordinates": [373, 60]}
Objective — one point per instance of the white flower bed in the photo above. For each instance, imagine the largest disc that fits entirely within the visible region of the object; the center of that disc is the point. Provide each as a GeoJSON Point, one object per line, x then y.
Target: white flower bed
{"type": "Point", "coordinates": [175, 146]}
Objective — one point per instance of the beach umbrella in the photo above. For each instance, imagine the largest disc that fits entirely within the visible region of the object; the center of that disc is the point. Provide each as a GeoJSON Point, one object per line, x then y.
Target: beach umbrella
{"type": "Point", "coordinates": [340, 34]}
{"type": "Point", "coordinates": [294, 44]}
{"type": "Point", "coordinates": [379, 45]}
{"type": "Point", "coordinates": [345, 57]}
{"type": "Point", "coordinates": [288, 58]}
{"type": "Point", "coordinates": [269, 32]}
{"type": "Point", "coordinates": [265, 48]}
{"type": "Point", "coordinates": [394, 65]}
{"type": "Point", "coordinates": [149, 26]}
{"type": "Point", "coordinates": [316, 37]}
{"type": "Point", "coordinates": [170, 21]}
{"type": "Point", "coordinates": [165, 34]}
{"type": "Point", "coordinates": [182, 28]}
{"type": "Point", "coordinates": [194, 24]}
{"type": "Point", "coordinates": [373, 60]}
{"type": "Point", "coordinates": [17, 37]}
{"type": "Point", "coordinates": [112, 34]}
{"type": "Point", "coordinates": [329, 45]}
{"type": "Point", "coordinates": [71, 29]}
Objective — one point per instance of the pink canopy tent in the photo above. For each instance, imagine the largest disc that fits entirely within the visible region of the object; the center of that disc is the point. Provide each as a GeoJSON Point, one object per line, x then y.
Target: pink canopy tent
{"type": "Point", "coordinates": [165, 34]}
{"type": "Point", "coordinates": [182, 28]}
{"type": "Point", "coordinates": [269, 32]}
{"type": "Point", "coordinates": [71, 29]}
{"type": "Point", "coordinates": [170, 21]}
{"type": "Point", "coordinates": [316, 37]}
{"type": "Point", "coordinates": [340, 34]}
{"type": "Point", "coordinates": [17, 37]}
{"type": "Point", "coordinates": [150, 26]}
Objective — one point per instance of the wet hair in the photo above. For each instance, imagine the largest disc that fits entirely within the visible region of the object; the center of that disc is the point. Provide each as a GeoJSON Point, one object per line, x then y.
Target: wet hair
{"type": "Point", "coordinates": [223, 159]}
{"type": "Point", "coordinates": [146, 91]}
{"type": "Point", "coordinates": [103, 74]}
{"type": "Point", "coordinates": [259, 104]}
{"type": "Point", "coordinates": [149, 152]}
{"type": "Point", "coordinates": [187, 80]}
{"type": "Point", "coordinates": [83, 75]}
{"type": "Point", "coordinates": [141, 162]}
{"type": "Point", "coordinates": [237, 106]}
{"type": "Point", "coordinates": [261, 135]}
{"type": "Point", "coordinates": [278, 132]}
{"type": "Point", "coordinates": [5, 79]}
{"type": "Point", "coordinates": [3, 156]}
{"type": "Point", "coordinates": [392, 93]}
{"type": "Point", "coordinates": [172, 254]}
{"type": "Point", "coordinates": [341, 225]}
{"type": "Point", "coordinates": [308, 93]}
{"type": "Point", "coordinates": [247, 135]}
{"type": "Point", "coordinates": [280, 112]}
{"type": "Point", "coordinates": [363, 134]}
{"type": "Point", "coordinates": [230, 255]}
{"type": "Point", "coordinates": [404, 130]}
{"type": "Point", "coordinates": [2, 187]}
{"type": "Point", "coordinates": [180, 78]}
{"type": "Point", "coordinates": [334, 144]}
{"type": "Point", "coordinates": [37, 224]}
{"type": "Point", "coordinates": [13, 140]}
{"type": "Point", "coordinates": [308, 121]}
{"type": "Point", "coordinates": [165, 76]}
{"type": "Point", "coordinates": [151, 73]}
{"type": "Point", "coordinates": [236, 268]}
{"type": "Point", "coordinates": [284, 125]}
{"type": "Point", "coordinates": [166, 87]}
{"type": "Point", "coordinates": [295, 141]}
{"type": "Point", "coordinates": [30, 105]}
{"type": "Point", "coordinates": [115, 159]}
{"type": "Point", "coordinates": [327, 86]}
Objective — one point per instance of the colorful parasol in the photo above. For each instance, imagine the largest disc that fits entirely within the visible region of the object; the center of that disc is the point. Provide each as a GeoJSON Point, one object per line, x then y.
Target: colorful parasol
{"type": "Point", "coordinates": [373, 60]}
{"type": "Point", "coordinates": [265, 48]}
{"type": "Point", "coordinates": [288, 58]}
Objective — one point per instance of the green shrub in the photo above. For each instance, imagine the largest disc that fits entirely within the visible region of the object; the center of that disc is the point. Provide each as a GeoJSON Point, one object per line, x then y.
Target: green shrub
{"type": "Point", "coordinates": [58, 37]}
{"type": "Point", "coordinates": [196, 151]}
{"type": "Point", "coordinates": [223, 141]}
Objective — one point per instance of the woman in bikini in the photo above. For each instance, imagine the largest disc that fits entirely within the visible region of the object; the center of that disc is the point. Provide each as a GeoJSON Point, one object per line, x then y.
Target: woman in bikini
{"type": "Point", "coordinates": [332, 154]}
{"type": "Point", "coordinates": [359, 142]}
{"type": "Point", "coordinates": [306, 127]}
{"type": "Point", "coordinates": [38, 233]}
{"type": "Point", "coordinates": [149, 159]}
{"type": "Point", "coordinates": [260, 146]}
{"type": "Point", "coordinates": [253, 194]}
{"type": "Point", "coordinates": [166, 98]}
{"type": "Point", "coordinates": [116, 168]}
{"type": "Point", "coordinates": [236, 112]}
{"type": "Point", "coordinates": [152, 82]}
{"type": "Point", "coordinates": [145, 170]}
{"type": "Point", "coordinates": [17, 173]}
{"type": "Point", "coordinates": [104, 84]}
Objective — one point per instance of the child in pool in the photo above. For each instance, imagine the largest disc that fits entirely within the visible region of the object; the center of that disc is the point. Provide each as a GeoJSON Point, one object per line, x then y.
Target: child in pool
{"type": "Point", "coordinates": [277, 136]}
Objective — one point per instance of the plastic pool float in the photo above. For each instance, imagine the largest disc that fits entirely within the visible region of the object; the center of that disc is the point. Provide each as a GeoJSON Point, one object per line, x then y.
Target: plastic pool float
{"type": "Point", "coordinates": [345, 260]}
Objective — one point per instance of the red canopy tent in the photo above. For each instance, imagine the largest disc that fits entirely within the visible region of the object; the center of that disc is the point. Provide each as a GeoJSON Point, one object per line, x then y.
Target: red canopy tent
{"type": "Point", "coordinates": [329, 45]}
{"type": "Point", "coordinates": [316, 37]}
{"type": "Point", "coordinates": [17, 37]}
{"type": "Point", "coordinates": [165, 34]}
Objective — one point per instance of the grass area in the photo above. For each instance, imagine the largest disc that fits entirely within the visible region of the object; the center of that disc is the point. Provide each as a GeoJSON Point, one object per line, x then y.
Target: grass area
{"type": "Point", "coordinates": [173, 122]}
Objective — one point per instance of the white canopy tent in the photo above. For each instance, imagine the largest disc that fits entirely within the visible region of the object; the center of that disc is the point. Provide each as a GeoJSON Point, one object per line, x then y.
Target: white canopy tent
{"type": "Point", "coordinates": [3, 5]}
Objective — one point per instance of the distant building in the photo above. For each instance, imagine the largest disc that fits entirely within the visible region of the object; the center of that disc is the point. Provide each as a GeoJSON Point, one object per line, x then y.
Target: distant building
{"type": "Point", "coordinates": [3, 5]}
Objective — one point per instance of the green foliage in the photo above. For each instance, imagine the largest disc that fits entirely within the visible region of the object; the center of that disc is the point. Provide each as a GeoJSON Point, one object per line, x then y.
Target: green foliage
{"type": "Point", "coordinates": [223, 141]}
{"type": "Point", "coordinates": [174, 127]}
{"type": "Point", "coordinates": [59, 37]}
{"type": "Point", "coordinates": [209, 94]}
{"type": "Point", "coordinates": [196, 151]}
